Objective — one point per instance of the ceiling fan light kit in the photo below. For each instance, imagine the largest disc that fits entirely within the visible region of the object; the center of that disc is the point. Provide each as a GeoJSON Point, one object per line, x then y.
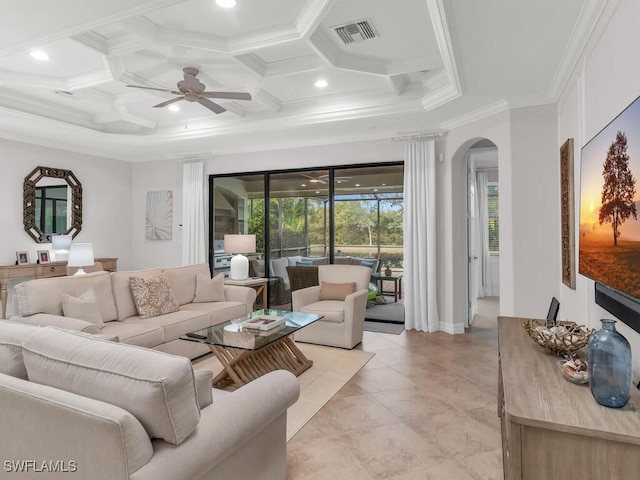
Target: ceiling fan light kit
{"type": "Point", "coordinates": [192, 90]}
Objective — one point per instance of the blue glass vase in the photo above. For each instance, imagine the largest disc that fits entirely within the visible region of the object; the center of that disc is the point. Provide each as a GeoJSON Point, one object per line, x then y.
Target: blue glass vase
{"type": "Point", "coordinates": [609, 359]}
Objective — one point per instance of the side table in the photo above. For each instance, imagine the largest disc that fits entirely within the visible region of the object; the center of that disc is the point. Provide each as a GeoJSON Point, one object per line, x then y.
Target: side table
{"type": "Point", "coordinates": [259, 284]}
{"type": "Point", "coordinates": [380, 278]}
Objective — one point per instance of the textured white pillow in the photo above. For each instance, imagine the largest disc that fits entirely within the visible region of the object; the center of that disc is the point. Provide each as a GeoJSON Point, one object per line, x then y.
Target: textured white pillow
{"type": "Point", "coordinates": [85, 307]}
{"type": "Point", "coordinates": [157, 388]}
{"type": "Point", "coordinates": [209, 289]}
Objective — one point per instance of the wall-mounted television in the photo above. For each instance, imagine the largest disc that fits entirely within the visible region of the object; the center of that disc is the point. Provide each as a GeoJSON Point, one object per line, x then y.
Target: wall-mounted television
{"type": "Point", "coordinates": [609, 238]}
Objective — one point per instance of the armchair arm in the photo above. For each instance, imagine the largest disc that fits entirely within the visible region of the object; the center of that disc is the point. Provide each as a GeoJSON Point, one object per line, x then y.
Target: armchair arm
{"type": "Point", "coordinates": [304, 296]}
{"type": "Point", "coordinates": [354, 311]}
{"type": "Point", "coordinates": [228, 428]}
{"type": "Point", "coordinates": [238, 293]}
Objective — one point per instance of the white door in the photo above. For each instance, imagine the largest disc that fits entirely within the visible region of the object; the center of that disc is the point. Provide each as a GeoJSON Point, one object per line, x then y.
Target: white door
{"type": "Point", "coordinates": [472, 234]}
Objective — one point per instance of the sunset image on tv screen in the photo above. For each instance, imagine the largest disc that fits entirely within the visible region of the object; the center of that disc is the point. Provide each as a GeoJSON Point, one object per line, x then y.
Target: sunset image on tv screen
{"type": "Point", "coordinates": [609, 241]}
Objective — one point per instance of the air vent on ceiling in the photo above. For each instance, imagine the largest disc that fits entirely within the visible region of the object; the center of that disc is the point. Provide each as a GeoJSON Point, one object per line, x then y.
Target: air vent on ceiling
{"type": "Point", "coordinates": [356, 32]}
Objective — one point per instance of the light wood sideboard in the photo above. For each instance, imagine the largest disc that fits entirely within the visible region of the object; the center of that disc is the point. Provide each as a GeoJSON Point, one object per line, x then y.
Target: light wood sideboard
{"type": "Point", "coordinates": [553, 429]}
{"type": "Point", "coordinates": [37, 270]}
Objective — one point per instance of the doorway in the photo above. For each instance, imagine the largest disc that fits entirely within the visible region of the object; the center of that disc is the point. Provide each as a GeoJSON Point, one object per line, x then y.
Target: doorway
{"type": "Point", "coordinates": [483, 225]}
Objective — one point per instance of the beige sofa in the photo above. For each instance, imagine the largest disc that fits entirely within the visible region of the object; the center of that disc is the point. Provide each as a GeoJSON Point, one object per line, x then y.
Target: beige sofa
{"type": "Point", "coordinates": [77, 406]}
{"type": "Point", "coordinates": [40, 302]}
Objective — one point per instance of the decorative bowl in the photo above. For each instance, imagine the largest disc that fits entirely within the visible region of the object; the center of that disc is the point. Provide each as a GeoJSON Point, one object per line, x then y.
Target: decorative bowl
{"type": "Point", "coordinates": [564, 338]}
{"type": "Point", "coordinates": [574, 370]}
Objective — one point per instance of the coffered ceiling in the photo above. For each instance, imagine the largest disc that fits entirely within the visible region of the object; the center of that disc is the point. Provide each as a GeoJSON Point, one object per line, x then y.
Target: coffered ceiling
{"type": "Point", "coordinates": [432, 65]}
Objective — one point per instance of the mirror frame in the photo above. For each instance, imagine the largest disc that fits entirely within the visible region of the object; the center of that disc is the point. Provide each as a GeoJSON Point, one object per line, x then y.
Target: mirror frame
{"type": "Point", "coordinates": [29, 202]}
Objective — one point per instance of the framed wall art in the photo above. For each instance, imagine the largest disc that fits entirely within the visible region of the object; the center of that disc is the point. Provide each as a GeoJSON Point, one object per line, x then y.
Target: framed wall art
{"type": "Point", "coordinates": [567, 215]}
{"type": "Point", "coordinates": [159, 218]}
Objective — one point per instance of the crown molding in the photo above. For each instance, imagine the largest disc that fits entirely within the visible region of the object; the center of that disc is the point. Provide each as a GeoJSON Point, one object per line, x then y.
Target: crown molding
{"type": "Point", "coordinates": [476, 115]}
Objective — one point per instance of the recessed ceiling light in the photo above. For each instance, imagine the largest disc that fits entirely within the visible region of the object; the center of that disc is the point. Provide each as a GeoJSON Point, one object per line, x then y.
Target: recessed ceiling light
{"type": "Point", "coordinates": [39, 54]}
{"type": "Point", "coordinates": [303, 184]}
{"type": "Point", "coordinates": [314, 180]}
{"type": "Point", "coordinates": [317, 191]}
{"type": "Point", "coordinates": [357, 184]}
{"type": "Point", "coordinates": [174, 108]}
{"type": "Point", "coordinates": [375, 189]}
{"type": "Point", "coordinates": [226, 3]}
{"type": "Point", "coordinates": [321, 83]}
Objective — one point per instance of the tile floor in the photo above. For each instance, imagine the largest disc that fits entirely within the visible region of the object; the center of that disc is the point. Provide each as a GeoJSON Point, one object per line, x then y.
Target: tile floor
{"type": "Point", "coordinates": [425, 407]}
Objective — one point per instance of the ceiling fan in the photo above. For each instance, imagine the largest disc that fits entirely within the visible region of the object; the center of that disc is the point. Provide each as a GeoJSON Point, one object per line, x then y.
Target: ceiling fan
{"type": "Point", "coordinates": [192, 90]}
{"type": "Point", "coordinates": [322, 179]}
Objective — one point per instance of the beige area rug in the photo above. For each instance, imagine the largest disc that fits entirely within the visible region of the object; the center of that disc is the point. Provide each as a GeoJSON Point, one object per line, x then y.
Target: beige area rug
{"type": "Point", "coordinates": [332, 369]}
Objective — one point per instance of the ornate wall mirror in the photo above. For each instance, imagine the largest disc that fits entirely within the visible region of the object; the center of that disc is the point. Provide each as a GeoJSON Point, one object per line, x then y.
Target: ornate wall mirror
{"type": "Point", "coordinates": [52, 203]}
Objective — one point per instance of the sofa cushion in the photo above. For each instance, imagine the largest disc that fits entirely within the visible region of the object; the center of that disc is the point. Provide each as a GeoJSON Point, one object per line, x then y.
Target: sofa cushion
{"type": "Point", "coordinates": [12, 336]}
{"type": "Point", "coordinates": [372, 263]}
{"type": "Point", "coordinates": [160, 388]}
{"type": "Point", "coordinates": [279, 269]}
{"type": "Point", "coordinates": [258, 268]}
{"type": "Point", "coordinates": [125, 305]}
{"type": "Point", "coordinates": [84, 307]}
{"type": "Point", "coordinates": [336, 291]}
{"type": "Point", "coordinates": [218, 312]}
{"type": "Point", "coordinates": [331, 310]}
{"type": "Point", "coordinates": [342, 260]}
{"type": "Point", "coordinates": [174, 324]}
{"type": "Point", "coordinates": [148, 336]}
{"type": "Point", "coordinates": [44, 295]}
{"type": "Point", "coordinates": [209, 289]}
{"type": "Point", "coordinates": [307, 263]}
{"type": "Point", "coordinates": [183, 280]}
{"type": "Point", "coordinates": [153, 296]}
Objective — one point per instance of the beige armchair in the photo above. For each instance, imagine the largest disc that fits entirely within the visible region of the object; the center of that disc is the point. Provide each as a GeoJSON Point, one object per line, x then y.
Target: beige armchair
{"type": "Point", "coordinates": [343, 312]}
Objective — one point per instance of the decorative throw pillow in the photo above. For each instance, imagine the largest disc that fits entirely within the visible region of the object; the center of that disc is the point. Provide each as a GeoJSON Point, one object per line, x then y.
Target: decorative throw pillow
{"type": "Point", "coordinates": [153, 295]}
{"type": "Point", "coordinates": [258, 267]}
{"type": "Point", "coordinates": [336, 291]}
{"type": "Point", "coordinates": [371, 265]}
{"type": "Point", "coordinates": [305, 263]}
{"type": "Point", "coordinates": [209, 289]}
{"type": "Point", "coordinates": [84, 307]}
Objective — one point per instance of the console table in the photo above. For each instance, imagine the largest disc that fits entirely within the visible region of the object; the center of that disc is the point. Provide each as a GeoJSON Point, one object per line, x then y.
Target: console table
{"type": "Point", "coordinates": [37, 270]}
{"type": "Point", "coordinates": [553, 429]}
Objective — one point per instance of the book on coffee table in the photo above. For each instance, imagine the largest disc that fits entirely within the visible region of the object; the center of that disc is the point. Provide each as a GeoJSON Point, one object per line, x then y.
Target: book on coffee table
{"type": "Point", "coordinates": [264, 322]}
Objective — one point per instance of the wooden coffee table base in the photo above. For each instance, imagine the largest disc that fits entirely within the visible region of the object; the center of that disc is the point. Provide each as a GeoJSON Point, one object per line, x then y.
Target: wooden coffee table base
{"type": "Point", "coordinates": [243, 366]}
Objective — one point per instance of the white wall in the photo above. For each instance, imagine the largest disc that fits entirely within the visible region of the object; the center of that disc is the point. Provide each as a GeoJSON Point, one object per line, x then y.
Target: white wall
{"type": "Point", "coordinates": [603, 84]}
{"type": "Point", "coordinates": [106, 191]}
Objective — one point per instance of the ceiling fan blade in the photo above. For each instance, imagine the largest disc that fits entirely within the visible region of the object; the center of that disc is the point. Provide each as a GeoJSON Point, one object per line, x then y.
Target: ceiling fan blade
{"type": "Point", "coordinates": [214, 107]}
{"type": "Point", "coordinates": [229, 95]}
{"type": "Point", "coordinates": [156, 89]}
{"type": "Point", "coordinates": [168, 102]}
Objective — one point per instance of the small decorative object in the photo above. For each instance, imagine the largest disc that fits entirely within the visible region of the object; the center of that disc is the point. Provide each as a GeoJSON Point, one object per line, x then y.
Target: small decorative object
{"type": "Point", "coordinates": [43, 256]}
{"type": "Point", "coordinates": [574, 369]}
{"type": "Point", "coordinates": [264, 322]}
{"type": "Point", "coordinates": [610, 365]}
{"type": "Point", "coordinates": [564, 338]}
{"type": "Point", "coordinates": [387, 271]}
{"type": "Point", "coordinates": [22, 258]}
{"type": "Point", "coordinates": [81, 255]}
{"type": "Point", "coordinates": [237, 245]}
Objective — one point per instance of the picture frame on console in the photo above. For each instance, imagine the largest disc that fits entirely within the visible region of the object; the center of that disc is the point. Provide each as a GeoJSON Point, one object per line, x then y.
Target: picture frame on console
{"type": "Point", "coordinates": [22, 258]}
{"type": "Point", "coordinates": [43, 257]}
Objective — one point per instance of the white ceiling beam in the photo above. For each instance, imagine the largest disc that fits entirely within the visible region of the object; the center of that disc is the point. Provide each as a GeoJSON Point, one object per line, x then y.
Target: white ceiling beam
{"type": "Point", "coordinates": [269, 101]}
{"type": "Point", "coordinates": [269, 37]}
{"type": "Point", "coordinates": [328, 51]}
{"type": "Point", "coordinates": [96, 96]}
{"type": "Point", "coordinates": [91, 79]}
{"type": "Point", "coordinates": [93, 41]}
{"type": "Point", "coordinates": [312, 15]}
{"type": "Point", "coordinates": [233, 108]}
{"type": "Point", "coordinates": [414, 64]}
{"type": "Point", "coordinates": [253, 62]}
{"type": "Point", "coordinates": [309, 63]}
{"type": "Point", "coordinates": [397, 83]}
{"type": "Point", "coordinates": [135, 119]}
{"type": "Point", "coordinates": [209, 43]}
{"type": "Point", "coordinates": [39, 81]}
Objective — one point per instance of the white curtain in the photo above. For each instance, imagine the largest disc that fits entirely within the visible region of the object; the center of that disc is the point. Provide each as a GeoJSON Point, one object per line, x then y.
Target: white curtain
{"type": "Point", "coordinates": [483, 238]}
{"type": "Point", "coordinates": [193, 227]}
{"type": "Point", "coordinates": [420, 304]}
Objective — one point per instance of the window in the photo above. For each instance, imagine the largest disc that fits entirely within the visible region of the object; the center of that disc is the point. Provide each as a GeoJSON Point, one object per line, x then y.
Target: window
{"type": "Point", "coordinates": [493, 200]}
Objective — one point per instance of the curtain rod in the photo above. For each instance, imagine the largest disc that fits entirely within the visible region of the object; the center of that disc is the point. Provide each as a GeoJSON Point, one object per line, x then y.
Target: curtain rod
{"type": "Point", "coordinates": [420, 136]}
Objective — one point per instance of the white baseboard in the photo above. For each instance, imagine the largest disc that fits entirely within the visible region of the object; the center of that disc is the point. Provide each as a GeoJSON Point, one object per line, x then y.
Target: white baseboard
{"type": "Point", "coordinates": [452, 328]}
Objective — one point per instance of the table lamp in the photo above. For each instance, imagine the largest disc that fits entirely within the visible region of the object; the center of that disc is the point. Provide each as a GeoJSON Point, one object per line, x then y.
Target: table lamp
{"type": "Point", "coordinates": [239, 244]}
{"type": "Point", "coordinates": [80, 255]}
{"type": "Point", "coordinates": [61, 245]}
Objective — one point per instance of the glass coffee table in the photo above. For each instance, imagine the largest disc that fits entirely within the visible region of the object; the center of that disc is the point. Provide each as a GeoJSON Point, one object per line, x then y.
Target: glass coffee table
{"type": "Point", "coordinates": [247, 354]}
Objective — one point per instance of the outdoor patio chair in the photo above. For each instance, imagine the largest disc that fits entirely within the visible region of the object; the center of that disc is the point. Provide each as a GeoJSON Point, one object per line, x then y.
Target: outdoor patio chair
{"type": "Point", "coordinates": [341, 298]}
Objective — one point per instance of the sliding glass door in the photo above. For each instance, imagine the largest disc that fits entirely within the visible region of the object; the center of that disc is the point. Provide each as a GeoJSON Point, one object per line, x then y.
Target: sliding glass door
{"type": "Point", "coordinates": [313, 216]}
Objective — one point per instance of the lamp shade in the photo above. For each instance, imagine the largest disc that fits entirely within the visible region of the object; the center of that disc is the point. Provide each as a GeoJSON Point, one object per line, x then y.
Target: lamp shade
{"type": "Point", "coordinates": [80, 255]}
{"type": "Point", "coordinates": [61, 242]}
{"type": "Point", "coordinates": [239, 243]}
